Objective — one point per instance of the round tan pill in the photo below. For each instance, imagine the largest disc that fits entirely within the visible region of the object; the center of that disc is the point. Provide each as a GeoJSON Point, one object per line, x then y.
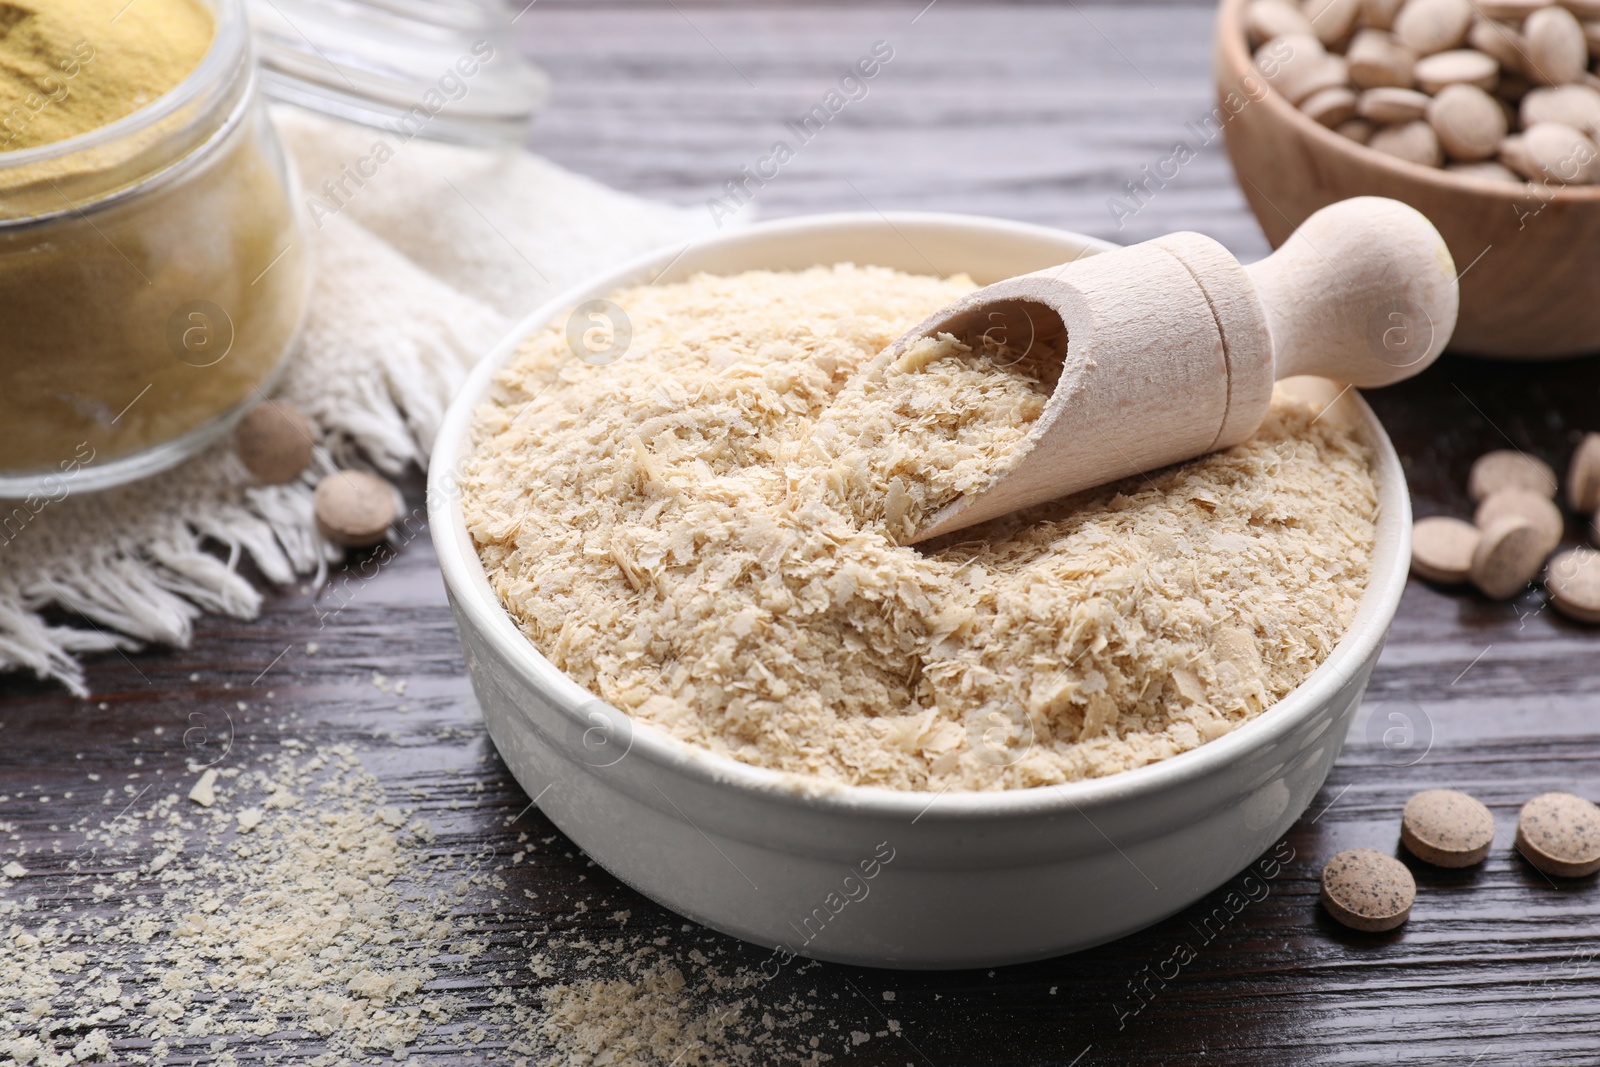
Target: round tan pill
{"type": "Point", "coordinates": [1375, 61]}
{"type": "Point", "coordinates": [1514, 156]}
{"type": "Point", "coordinates": [1379, 14]}
{"type": "Point", "coordinates": [1391, 105]}
{"type": "Point", "coordinates": [1469, 122]}
{"type": "Point", "coordinates": [1359, 131]}
{"type": "Point", "coordinates": [1429, 26]}
{"type": "Point", "coordinates": [1504, 43]}
{"type": "Point", "coordinates": [1583, 475]}
{"type": "Point", "coordinates": [1577, 106]}
{"type": "Point", "coordinates": [1558, 53]}
{"type": "Point", "coordinates": [353, 508]}
{"type": "Point", "coordinates": [1509, 556]}
{"type": "Point", "coordinates": [1537, 508]}
{"type": "Point", "coordinates": [1461, 66]}
{"type": "Point", "coordinates": [1447, 828]}
{"type": "Point", "coordinates": [1330, 74]}
{"type": "Point", "coordinates": [1508, 469]}
{"type": "Point", "coordinates": [1442, 549]}
{"type": "Point", "coordinates": [1554, 153]}
{"type": "Point", "coordinates": [1298, 66]}
{"type": "Point", "coordinates": [1331, 107]}
{"type": "Point", "coordinates": [1332, 20]}
{"type": "Point", "coordinates": [1560, 834]}
{"type": "Point", "coordinates": [1414, 142]}
{"type": "Point", "coordinates": [1559, 154]}
{"type": "Point", "coordinates": [1488, 171]}
{"type": "Point", "coordinates": [1573, 581]}
{"type": "Point", "coordinates": [1267, 20]}
{"type": "Point", "coordinates": [1366, 890]}
{"type": "Point", "coordinates": [274, 441]}
{"type": "Point", "coordinates": [1516, 10]}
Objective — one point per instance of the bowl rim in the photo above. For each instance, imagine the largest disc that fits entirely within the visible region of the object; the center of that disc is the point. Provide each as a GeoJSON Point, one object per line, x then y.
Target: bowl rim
{"type": "Point", "coordinates": [473, 598]}
{"type": "Point", "coordinates": [1234, 49]}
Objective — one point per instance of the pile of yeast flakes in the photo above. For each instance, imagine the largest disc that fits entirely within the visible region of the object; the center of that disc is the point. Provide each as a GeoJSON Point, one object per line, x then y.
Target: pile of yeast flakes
{"type": "Point", "coordinates": [706, 533]}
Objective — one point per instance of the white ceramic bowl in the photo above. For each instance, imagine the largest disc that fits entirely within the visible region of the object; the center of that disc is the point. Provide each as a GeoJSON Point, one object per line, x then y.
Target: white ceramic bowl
{"type": "Point", "coordinates": [869, 875]}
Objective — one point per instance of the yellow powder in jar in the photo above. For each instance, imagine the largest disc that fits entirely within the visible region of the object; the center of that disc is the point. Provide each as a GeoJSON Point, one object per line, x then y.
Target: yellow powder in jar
{"type": "Point", "coordinates": [96, 311]}
{"type": "Point", "coordinates": [71, 66]}
{"type": "Point", "coordinates": [707, 534]}
{"type": "Point", "coordinates": [151, 283]}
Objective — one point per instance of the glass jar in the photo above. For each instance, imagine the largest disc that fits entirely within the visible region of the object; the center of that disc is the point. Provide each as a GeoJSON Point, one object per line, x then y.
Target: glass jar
{"type": "Point", "coordinates": [153, 274]}
{"type": "Point", "coordinates": [446, 69]}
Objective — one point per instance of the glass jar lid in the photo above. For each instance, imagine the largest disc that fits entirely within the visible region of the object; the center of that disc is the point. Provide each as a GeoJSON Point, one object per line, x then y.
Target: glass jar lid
{"type": "Point", "coordinates": [444, 69]}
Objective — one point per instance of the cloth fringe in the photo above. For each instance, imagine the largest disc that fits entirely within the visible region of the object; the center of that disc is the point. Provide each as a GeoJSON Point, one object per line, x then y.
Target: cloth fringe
{"type": "Point", "coordinates": [390, 334]}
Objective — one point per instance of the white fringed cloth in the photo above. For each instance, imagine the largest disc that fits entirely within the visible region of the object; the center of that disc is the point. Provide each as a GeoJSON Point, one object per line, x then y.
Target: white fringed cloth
{"type": "Point", "coordinates": [417, 275]}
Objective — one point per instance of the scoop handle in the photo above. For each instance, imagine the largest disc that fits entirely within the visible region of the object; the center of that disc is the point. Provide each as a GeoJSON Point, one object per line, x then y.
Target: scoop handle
{"type": "Point", "coordinates": [1364, 292]}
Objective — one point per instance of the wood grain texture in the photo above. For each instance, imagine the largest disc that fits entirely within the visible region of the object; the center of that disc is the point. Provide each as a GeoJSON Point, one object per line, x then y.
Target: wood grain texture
{"type": "Point", "coordinates": [1041, 112]}
{"type": "Point", "coordinates": [1025, 112]}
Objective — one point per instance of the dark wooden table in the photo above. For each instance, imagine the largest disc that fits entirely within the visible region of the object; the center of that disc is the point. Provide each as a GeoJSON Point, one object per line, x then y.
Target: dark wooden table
{"type": "Point", "coordinates": [1038, 113]}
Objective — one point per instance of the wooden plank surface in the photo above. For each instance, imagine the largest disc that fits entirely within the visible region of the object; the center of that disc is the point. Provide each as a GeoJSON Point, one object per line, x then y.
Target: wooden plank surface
{"type": "Point", "coordinates": [1038, 112]}
{"type": "Point", "coordinates": [1033, 112]}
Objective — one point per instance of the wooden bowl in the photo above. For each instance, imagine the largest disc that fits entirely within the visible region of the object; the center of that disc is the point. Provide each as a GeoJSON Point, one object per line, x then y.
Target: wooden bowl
{"type": "Point", "coordinates": [1529, 255]}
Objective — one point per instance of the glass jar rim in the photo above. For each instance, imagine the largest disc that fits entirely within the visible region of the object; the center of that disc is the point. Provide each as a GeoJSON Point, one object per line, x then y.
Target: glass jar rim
{"type": "Point", "coordinates": [230, 43]}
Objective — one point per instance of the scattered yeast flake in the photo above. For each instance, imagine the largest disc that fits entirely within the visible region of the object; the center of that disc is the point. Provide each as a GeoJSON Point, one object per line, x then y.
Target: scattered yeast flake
{"type": "Point", "coordinates": [204, 791]}
{"type": "Point", "coordinates": [300, 926]}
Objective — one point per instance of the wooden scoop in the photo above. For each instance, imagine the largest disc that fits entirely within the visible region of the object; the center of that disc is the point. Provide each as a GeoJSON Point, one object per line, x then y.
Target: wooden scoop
{"type": "Point", "coordinates": [1171, 347]}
